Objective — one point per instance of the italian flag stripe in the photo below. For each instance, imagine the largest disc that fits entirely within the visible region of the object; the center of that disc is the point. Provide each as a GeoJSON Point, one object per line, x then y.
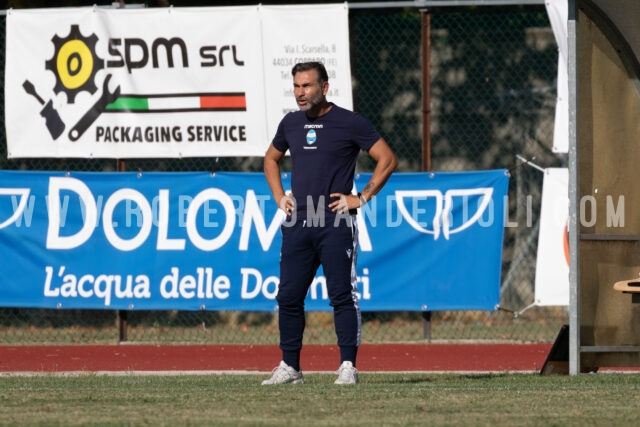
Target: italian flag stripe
{"type": "Point", "coordinates": [124, 103]}
{"type": "Point", "coordinates": [179, 103]}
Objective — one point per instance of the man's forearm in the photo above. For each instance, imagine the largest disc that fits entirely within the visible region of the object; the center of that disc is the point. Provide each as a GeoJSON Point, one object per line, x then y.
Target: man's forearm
{"type": "Point", "coordinates": [381, 174]}
{"type": "Point", "coordinates": [272, 175]}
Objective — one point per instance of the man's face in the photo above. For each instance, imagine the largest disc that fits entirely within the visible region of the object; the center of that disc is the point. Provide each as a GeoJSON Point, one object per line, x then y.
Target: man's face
{"type": "Point", "coordinates": [308, 91]}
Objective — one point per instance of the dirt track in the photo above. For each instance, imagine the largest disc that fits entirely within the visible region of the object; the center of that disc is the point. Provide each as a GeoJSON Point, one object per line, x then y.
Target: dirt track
{"type": "Point", "coordinates": [262, 358]}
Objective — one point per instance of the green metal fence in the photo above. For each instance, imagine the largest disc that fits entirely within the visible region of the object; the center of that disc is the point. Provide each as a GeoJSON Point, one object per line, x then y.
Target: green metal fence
{"type": "Point", "coordinates": [492, 98]}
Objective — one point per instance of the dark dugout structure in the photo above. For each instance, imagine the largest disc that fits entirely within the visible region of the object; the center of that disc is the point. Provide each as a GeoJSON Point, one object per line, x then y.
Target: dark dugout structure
{"type": "Point", "coordinates": [604, 190]}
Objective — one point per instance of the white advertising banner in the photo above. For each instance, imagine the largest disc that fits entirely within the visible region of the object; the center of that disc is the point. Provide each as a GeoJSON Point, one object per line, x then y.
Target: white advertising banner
{"type": "Point", "coordinates": [156, 83]}
{"type": "Point", "coordinates": [288, 39]}
{"type": "Point", "coordinates": [552, 267]}
{"type": "Point", "coordinates": [558, 12]}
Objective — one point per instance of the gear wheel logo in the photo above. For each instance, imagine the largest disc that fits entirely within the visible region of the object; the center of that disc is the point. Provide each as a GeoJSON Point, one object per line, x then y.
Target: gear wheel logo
{"type": "Point", "coordinates": [75, 63]}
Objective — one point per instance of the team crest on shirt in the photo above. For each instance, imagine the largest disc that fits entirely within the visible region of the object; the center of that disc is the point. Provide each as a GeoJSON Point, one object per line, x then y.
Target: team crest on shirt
{"type": "Point", "coordinates": [311, 137]}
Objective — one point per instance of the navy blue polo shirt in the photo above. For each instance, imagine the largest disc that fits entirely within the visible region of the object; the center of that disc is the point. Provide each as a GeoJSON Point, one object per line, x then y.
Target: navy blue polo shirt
{"type": "Point", "coordinates": [324, 151]}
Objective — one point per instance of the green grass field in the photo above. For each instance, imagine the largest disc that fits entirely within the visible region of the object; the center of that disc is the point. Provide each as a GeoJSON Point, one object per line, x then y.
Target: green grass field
{"type": "Point", "coordinates": [379, 399]}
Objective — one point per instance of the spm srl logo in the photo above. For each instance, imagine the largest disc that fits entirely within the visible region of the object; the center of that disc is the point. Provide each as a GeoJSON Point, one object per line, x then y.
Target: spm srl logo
{"type": "Point", "coordinates": [74, 64]}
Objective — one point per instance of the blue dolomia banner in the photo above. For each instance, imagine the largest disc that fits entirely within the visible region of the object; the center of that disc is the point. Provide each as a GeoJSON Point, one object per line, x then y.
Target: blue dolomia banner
{"type": "Point", "coordinates": [202, 241]}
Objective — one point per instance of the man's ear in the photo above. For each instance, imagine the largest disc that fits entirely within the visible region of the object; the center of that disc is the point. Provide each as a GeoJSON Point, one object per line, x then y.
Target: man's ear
{"type": "Point", "coordinates": [325, 88]}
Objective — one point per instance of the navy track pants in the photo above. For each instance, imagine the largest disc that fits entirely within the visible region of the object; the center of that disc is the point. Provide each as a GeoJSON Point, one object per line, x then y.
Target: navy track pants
{"type": "Point", "coordinates": [304, 248]}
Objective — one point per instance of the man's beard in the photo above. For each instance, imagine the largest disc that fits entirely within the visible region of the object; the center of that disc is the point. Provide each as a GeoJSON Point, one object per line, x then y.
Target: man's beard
{"type": "Point", "coordinates": [312, 102]}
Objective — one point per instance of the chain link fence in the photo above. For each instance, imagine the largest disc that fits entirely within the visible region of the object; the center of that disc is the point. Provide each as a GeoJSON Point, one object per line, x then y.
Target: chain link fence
{"type": "Point", "coordinates": [492, 99]}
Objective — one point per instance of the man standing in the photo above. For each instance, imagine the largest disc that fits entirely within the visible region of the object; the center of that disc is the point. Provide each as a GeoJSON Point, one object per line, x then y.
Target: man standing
{"type": "Point", "coordinates": [324, 141]}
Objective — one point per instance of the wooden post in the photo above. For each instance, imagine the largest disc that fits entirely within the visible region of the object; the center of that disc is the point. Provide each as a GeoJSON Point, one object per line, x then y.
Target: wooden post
{"type": "Point", "coordinates": [426, 90]}
{"type": "Point", "coordinates": [426, 123]}
{"type": "Point", "coordinates": [426, 325]}
{"type": "Point", "coordinates": [122, 314]}
{"type": "Point", "coordinates": [122, 325]}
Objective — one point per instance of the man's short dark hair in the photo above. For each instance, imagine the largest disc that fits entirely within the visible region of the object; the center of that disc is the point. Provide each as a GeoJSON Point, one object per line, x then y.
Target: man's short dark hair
{"type": "Point", "coordinates": [306, 66]}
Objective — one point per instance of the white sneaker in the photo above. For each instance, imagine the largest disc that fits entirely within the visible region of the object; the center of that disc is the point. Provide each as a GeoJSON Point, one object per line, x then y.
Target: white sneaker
{"type": "Point", "coordinates": [284, 374]}
{"type": "Point", "coordinates": [347, 374]}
